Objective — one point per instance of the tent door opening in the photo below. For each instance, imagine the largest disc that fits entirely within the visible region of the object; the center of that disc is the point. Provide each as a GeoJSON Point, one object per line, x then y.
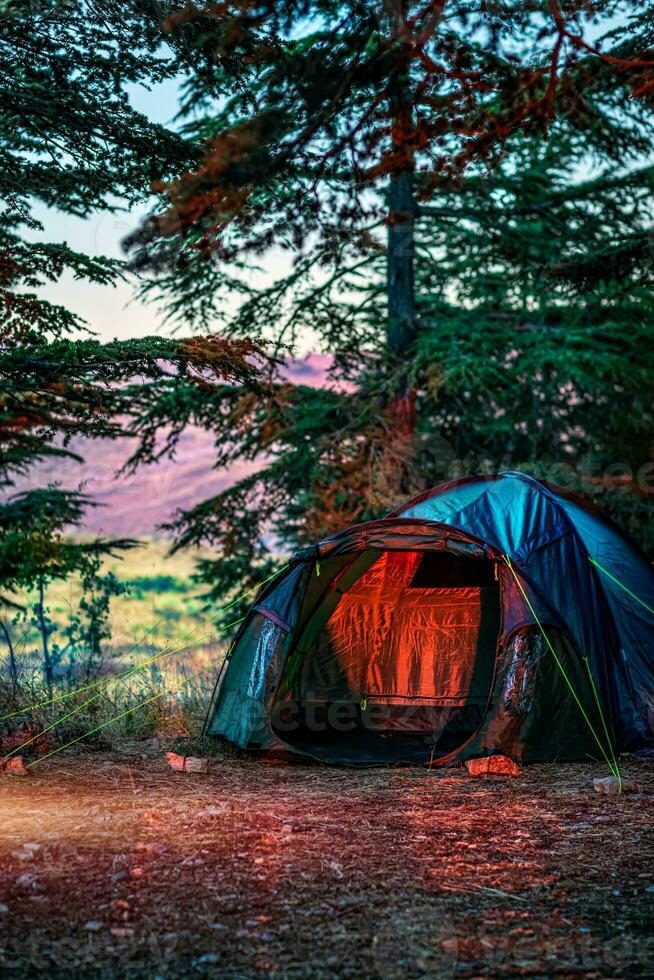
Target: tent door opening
{"type": "Point", "coordinates": [404, 663]}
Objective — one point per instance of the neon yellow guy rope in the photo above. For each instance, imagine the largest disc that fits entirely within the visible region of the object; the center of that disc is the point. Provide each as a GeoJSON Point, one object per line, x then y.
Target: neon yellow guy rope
{"type": "Point", "coordinates": [133, 670]}
{"type": "Point", "coordinates": [613, 766]}
{"type": "Point", "coordinates": [84, 704]}
{"type": "Point", "coordinates": [44, 731]}
{"type": "Point", "coordinates": [604, 725]}
{"type": "Point", "coordinates": [105, 680]}
{"type": "Point", "coordinates": [123, 714]}
{"type": "Point", "coordinates": [622, 586]}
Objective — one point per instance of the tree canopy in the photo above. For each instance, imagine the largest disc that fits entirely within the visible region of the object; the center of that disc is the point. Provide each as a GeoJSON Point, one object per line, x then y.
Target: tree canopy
{"type": "Point", "coordinates": [464, 191]}
{"type": "Point", "coordinates": [71, 141]}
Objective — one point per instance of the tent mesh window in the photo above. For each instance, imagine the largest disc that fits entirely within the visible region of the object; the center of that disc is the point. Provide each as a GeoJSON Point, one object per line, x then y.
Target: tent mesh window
{"type": "Point", "coordinates": [255, 670]}
{"type": "Point", "coordinates": [536, 716]}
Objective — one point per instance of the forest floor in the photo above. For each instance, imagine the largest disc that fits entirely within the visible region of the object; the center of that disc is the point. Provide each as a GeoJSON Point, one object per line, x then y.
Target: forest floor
{"type": "Point", "coordinates": [113, 865]}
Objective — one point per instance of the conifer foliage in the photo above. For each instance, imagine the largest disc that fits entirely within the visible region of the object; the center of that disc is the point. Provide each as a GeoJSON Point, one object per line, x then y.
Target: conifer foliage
{"type": "Point", "coordinates": [460, 196]}
{"type": "Point", "coordinates": [71, 142]}
{"type": "Point", "coordinates": [463, 192]}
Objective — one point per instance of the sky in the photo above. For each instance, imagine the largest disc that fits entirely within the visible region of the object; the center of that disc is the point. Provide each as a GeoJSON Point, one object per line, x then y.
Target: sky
{"type": "Point", "coordinates": [110, 311]}
{"type": "Point", "coordinates": [135, 505]}
{"type": "Point", "coordinates": [114, 312]}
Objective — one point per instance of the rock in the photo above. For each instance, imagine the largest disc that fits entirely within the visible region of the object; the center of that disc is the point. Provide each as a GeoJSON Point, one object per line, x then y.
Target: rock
{"type": "Point", "coordinates": [14, 766]}
{"type": "Point", "coordinates": [492, 765]}
{"type": "Point", "coordinates": [27, 852]}
{"type": "Point", "coordinates": [26, 880]}
{"type": "Point", "coordinates": [611, 786]}
{"type": "Point", "coordinates": [213, 811]}
{"type": "Point", "coordinates": [186, 763]}
{"type": "Point", "coordinates": [149, 847]}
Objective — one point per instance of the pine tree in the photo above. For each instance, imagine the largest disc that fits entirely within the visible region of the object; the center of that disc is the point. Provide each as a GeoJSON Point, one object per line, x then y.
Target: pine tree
{"type": "Point", "coordinates": [537, 353]}
{"type": "Point", "coordinates": [70, 140]}
{"type": "Point", "coordinates": [420, 163]}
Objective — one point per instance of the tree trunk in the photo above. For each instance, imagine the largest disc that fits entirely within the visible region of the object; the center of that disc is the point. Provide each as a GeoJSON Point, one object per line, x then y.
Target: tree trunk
{"type": "Point", "coordinates": [401, 297]}
{"type": "Point", "coordinates": [401, 203]}
{"type": "Point", "coordinates": [13, 667]}
{"type": "Point", "coordinates": [47, 663]}
{"type": "Point", "coordinates": [401, 331]}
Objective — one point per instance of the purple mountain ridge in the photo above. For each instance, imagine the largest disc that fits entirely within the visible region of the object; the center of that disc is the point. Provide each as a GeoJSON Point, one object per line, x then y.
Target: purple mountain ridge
{"type": "Point", "coordinates": [134, 505]}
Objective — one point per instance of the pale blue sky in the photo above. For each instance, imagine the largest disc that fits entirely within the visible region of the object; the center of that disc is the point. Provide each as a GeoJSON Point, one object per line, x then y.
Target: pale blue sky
{"type": "Point", "coordinates": [113, 311]}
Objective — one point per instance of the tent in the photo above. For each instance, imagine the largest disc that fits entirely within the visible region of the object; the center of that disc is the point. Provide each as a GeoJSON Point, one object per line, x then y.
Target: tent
{"type": "Point", "coordinates": [492, 614]}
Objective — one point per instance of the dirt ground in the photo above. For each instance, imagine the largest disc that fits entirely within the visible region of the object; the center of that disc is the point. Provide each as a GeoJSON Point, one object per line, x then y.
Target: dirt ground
{"type": "Point", "coordinates": [112, 865]}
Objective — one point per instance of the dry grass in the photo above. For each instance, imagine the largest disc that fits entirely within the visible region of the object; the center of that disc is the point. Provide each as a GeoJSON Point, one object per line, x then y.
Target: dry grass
{"type": "Point", "coordinates": [163, 603]}
{"type": "Point", "coordinates": [170, 697]}
{"type": "Point", "coordinates": [161, 625]}
{"type": "Point", "coordinates": [113, 865]}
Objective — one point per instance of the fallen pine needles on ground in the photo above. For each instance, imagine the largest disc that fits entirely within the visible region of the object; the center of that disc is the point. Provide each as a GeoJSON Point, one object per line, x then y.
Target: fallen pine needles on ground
{"type": "Point", "coordinates": [113, 865]}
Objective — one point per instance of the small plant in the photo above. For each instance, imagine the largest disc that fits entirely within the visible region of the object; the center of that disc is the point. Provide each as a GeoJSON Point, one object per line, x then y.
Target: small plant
{"type": "Point", "coordinates": [89, 625]}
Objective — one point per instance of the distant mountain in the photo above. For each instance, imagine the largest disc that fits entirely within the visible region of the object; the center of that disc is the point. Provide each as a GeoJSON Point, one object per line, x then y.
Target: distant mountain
{"type": "Point", "coordinates": [135, 505]}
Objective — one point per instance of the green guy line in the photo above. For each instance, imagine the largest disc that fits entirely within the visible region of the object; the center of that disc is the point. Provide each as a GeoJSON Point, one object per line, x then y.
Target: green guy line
{"type": "Point", "coordinates": [94, 730]}
{"type": "Point", "coordinates": [19, 748]}
{"type": "Point", "coordinates": [622, 586]}
{"type": "Point", "coordinates": [105, 680]}
{"type": "Point", "coordinates": [133, 670]}
{"type": "Point", "coordinates": [84, 704]}
{"type": "Point", "coordinates": [123, 714]}
{"type": "Point", "coordinates": [614, 771]}
{"type": "Point", "coordinates": [605, 726]}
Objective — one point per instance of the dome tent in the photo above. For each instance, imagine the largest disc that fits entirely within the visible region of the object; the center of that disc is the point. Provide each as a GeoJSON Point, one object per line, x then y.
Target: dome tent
{"type": "Point", "coordinates": [492, 614]}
